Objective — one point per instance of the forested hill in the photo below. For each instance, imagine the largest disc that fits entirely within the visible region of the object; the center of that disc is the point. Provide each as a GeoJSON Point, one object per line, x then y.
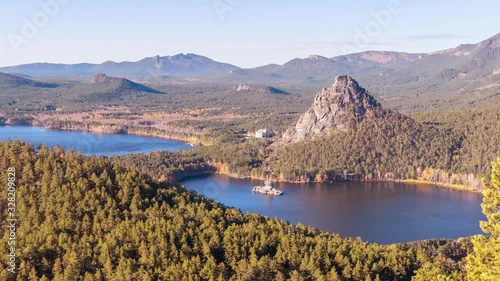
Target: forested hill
{"type": "Point", "coordinates": [346, 132]}
{"type": "Point", "coordinates": [13, 81]}
{"type": "Point", "coordinates": [82, 218]}
{"type": "Point", "coordinates": [385, 145]}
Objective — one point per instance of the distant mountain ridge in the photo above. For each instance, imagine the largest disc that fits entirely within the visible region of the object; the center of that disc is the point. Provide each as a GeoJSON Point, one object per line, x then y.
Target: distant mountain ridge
{"type": "Point", "coordinates": [379, 58]}
{"type": "Point", "coordinates": [312, 65]}
{"type": "Point", "coordinates": [392, 75]}
{"type": "Point", "coordinates": [323, 67]}
{"type": "Point", "coordinates": [14, 81]}
{"type": "Point", "coordinates": [180, 65]}
{"type": "Point", "coordinates": [467, 67]}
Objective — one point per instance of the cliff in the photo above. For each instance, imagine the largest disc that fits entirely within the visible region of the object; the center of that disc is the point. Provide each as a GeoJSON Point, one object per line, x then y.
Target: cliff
{"type": "Point", "coordinates": [333, 109]}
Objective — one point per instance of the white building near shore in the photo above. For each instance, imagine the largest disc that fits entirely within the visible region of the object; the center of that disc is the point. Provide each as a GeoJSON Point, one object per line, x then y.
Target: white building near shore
{"type": "Point", "coordinates": [264, 133]}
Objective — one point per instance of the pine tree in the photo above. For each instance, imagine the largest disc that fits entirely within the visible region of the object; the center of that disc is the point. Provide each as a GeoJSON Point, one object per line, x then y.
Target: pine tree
{"type": "Point", "coordinates": [484, 263]}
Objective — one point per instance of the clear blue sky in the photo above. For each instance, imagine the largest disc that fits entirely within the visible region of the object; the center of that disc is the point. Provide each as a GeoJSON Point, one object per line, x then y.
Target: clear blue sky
{"type": "Point", "coordinates": [246, 33]}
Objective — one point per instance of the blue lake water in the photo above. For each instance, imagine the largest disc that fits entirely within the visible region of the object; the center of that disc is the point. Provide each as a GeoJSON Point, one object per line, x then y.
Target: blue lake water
{"type": "Point", "coordinates": [381, 212]}
{"type": "Point", "coordinates": [90, 144]}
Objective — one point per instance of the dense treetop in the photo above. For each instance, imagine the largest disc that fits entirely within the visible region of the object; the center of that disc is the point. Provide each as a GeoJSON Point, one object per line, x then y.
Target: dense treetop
{"type": "Point", "coordinates": [84, 218]}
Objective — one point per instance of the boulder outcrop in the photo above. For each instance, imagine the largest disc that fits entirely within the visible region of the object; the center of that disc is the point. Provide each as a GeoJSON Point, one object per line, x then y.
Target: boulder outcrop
{"type": "Point", "coordinates": [333, 109]}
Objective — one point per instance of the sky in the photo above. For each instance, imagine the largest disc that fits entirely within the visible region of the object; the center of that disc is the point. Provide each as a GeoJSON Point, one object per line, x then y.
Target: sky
{"type": "Point", "coordinates": [246, 33]}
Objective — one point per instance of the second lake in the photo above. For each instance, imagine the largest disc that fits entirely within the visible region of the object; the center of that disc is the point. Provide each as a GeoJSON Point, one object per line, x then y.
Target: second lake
{"type": "Point", "coordinates": [380, 212]}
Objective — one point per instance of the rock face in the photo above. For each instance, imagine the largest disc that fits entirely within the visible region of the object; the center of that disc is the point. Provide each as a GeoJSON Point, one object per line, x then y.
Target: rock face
{"type": "Point", "coordinates": [243, 87]}
{"type": "Point", "coordinates": [332, 109]}
{"type": "Point", "coordinates": [379, 58]}
{"type": "Point", "coordinates": [99, 78]}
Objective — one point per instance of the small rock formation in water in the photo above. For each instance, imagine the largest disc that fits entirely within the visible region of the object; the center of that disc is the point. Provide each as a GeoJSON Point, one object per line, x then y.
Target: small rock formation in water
{"type": "Point", "coordinates": [333, 109]}
{"type": "Point", "coordinates": [267, 188]}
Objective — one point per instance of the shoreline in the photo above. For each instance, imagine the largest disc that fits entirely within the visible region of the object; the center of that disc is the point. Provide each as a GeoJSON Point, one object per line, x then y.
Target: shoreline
{"type": "Point", "coordinates": [457, 187]}
{"type": "Point", "coordinates": [454, 187]}
{"type": "Point", "coordinates": [188, 139]}
{"type": "Point", "coordinates": [194, 142]}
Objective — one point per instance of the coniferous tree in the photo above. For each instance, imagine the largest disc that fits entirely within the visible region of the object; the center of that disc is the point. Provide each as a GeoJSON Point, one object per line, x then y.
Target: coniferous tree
{"type": "Point", "coordinates": [484, 263]}
{"type": "Point", "coordinates": [104, 222]}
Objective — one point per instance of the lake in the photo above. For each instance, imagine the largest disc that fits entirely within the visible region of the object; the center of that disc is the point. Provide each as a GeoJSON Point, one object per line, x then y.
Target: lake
{"type": "Point", "coordinates": [91, 144]}
{"type": "Point", "coordinates": [380, 212]}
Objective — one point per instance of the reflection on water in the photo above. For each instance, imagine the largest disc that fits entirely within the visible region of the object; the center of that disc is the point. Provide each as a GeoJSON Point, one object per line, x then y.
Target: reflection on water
{"type": "Point", "coordinates": [90, 144]}
{"type": "Point", "coordinates": [382, 212]}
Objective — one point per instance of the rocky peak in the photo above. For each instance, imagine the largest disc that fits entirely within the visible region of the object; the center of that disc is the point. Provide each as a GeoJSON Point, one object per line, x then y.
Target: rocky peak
{"type": "Point", "coordinates": [316, 57]}
{"type": "Point", "coordinates": [493, 42]}
{"type": "Point", "coordinates": [244, 87]}
{"type": "Point", "coordinates": [99, 78]}
{"type": "Point", "coordinates": [332, 109]}
{"type": "Point", "coordinates": [102, 78]}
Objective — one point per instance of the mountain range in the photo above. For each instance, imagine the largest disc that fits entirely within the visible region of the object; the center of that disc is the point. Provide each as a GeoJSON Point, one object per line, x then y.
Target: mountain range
{"type": "Point", "coordinates": [471, 60]}
{"type": "Point", "coordinates": [466, 67]}
{"type": "Point", "coordinates": [178, 65]}
{"type": "Point", "coordinates": [466, 75]}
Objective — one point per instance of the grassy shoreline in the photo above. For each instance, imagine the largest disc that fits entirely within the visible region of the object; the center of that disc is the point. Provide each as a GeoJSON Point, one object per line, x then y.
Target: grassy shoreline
{"type": "Point", "coordinates": [458, 187]}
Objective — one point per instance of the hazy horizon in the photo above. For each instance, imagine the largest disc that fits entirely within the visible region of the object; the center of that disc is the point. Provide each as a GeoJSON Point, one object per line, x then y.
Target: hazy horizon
{"type": "Point", "coordinates": [240, 32]}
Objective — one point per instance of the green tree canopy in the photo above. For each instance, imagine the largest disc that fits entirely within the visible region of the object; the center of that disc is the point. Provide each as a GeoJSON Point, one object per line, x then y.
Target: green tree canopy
{"type": "Point", "coordinates": [484, 263]}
